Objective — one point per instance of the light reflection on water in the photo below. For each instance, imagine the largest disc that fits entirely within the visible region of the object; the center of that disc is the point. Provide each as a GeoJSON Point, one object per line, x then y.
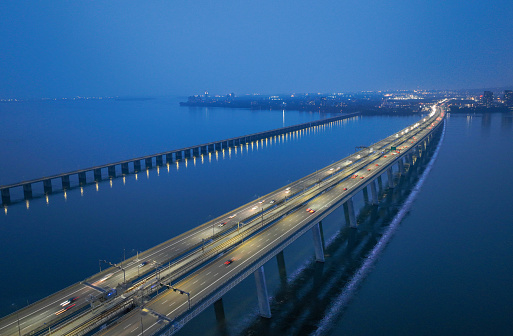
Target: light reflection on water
{"type": "Point", "coordinates": [89, 226]}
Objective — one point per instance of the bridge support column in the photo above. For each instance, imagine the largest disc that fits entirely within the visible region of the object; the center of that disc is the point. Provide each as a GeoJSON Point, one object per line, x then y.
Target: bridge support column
{"type": "Point", "coordinates": [350, 213]}
{"type": "Point", "coordinates": [282, 270]}
{"type": "Point", "coordinates": [390, 178]}
{"type": "Point", "coordinates": [187, 153]}
{"type": "Point", "coordinates": [219, 310]}
{"type": "Point", "coordinates": [124, 168]}
{"type": "Point", "coordinates": [319, 251]}
{"type": "Point", "coordinates": [137, 166]}
{"type": "Point", "coordinates": [111, 170]}
{"type": "Point", "coordinates": [159, 160]}
{"type": "Point", "coordinates": [65, 182]}
{"type": "Point", "coordinates": [408, 159]}
{"type": "Point", "coordinates": [374, 193]}
{"type": "Point", "coordinates": [27, 191]}
{"type": "Point", "coordinates": [195, 151]}
{"type": "Point", "coordinates": [401, 165]}
{"type": "Point", "coordinates": [211, 148]}
{"type": "Point", "coordinates": [178, 155]}
{"type": "Point", "coordinates": [365, 195]}
{"type": "Point", "coordinates": [98, 174]}
{"type": "Point", "coordinates": [263, 297]}
{"type": "Point", "coordinates": [82, 179]}
{"type": "Point", "coordinates": [47, 186]}
{"type": "Point", "coordinates": [6, 196]}
{"type": "Point", "coordinates": [204, 150]}
{"type": "Point", "coordinates": [218, 146]}
{"type": "Point", "coordinates": [169, 158]}
{"type": "Point", "coordinates": [148, 163]}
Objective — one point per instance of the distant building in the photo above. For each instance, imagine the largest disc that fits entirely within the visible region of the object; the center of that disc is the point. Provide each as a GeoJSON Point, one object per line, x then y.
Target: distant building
{"type": "Point", "coordinates": [488, 98]}
{"type": "Point", "coordinates": [508, 97]}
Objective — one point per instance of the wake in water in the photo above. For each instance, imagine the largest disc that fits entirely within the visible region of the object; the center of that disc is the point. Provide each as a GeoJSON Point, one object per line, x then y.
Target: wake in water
{"type": "Point", "coordinates": [349, 290]}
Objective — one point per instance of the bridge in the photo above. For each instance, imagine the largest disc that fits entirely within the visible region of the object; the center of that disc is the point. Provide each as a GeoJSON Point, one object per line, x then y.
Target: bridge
{"type": "Point", "coordinates": [194, 270]}
{"type": "Point", "coordinates": [125, 167]}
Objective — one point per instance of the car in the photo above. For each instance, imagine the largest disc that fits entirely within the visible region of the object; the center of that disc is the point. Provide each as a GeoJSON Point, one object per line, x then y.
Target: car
{"type": "Point", "coordinates": [254, 208]}
{"type": "Point", "coordinates": [310, 210]}
{"type": "Point", "coordinates": [232, 216]}
{"type": "Point", "coordinates": [287, 191]}
{"type": "Point", "coordinates": [385, 156]}
{"type": "Point", "coordinates": [377, 164]}
{"type": "Point", "coordinates": [65, 309]}
{"type": "Point", "coordinates": [103, 279]}
{"type": "Point", "coordinates": [288, 188]}
{"type": "Point", "coordinates": [345, 188]}
{"type": "Point", "coordinates": [272, 201]}
{"type": "Point", "coordinates": [262, 201]}
{"type": "Point", "coordinates": [69, 301]}
{"type": "Point", "coordinates": [362, 177]}
{"type": "Point", "coordinates": [368, 169]}
{"type": "Point", "coordinates": [144, 263]}
{"type": "Point", "coordinates": [229, 261]}
{"type": "Point", "coordinates": [355, 176]}
{"type": "Point", "coordinates": [222, 224]}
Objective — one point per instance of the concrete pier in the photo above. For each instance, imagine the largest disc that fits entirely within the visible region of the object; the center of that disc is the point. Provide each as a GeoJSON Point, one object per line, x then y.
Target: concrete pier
{"type": "Point", "coordinates": [137, 166]}
{"type": "Point", "coordinates": [195, 151]}
{"type": "Point", "coordinates": [211, 148]}
{"type": "Point", "coordinates": [204, 150]}
{"type": "Point", "coordinates": [319, 251]}
{"type": "Point", "coordinates": [82, 179]}
{"type": "Point", "coordinates": [27, 191]}
{"type": "Point", "coordinates": [187, 153]}
{"type": "Point", "coordinates": [169, 158]}
{"type": "Point", "coordinates": [6, 196]}
{"type": "Point", "coordinates": [282, 270]}
{"type": "Point", "coordinates": [124, 168]}
{"type": "Point", "coordinates": [219, 311]}
{"type": "Point", "coordinates": [400, 165]}
{"type": "Point", "coordinates": [111, 170]}
{"type": "Point", "coordinates": [148, 163]}
{"type": "Point", "coordinates": [390, 178]}
{"type": "Point", "coordinates": [374, 192]}
{"type": "Point", "coordinates": [263, 296]}
{"type": "Point", "coordinates": [178, 155]}
{"type": "Point", "coordinates": [351, 213]}
{"type": "Point", "coordinates": [65, 182]}
{"type": "Point", "coordinates": [218, 146]}
{"type": "Point", "coordinates": [98, 174]}
{"type": "Point", "coordinates": [159, 160]}
{"type": "Point", "coordinates": [47, 186]}
{"type": "Point", "coordinates": [365, 195]}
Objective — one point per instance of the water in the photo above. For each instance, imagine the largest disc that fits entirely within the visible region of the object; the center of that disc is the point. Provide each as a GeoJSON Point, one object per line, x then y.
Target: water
{"type": "Point", "coordinates": [447, 269]}
{"type": "Point", "coordinates": [47, 244]}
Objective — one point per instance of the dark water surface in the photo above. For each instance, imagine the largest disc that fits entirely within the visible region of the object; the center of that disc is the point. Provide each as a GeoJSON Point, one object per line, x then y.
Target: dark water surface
{"type": "Point", "coordinates": [448, 269]}
{"type": "Point", "coordinates": [49, 243]}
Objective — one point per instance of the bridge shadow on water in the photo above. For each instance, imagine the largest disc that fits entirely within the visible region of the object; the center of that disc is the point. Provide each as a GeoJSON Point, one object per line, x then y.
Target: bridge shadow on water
{"type": "Point", "coordinates": [303, 300]}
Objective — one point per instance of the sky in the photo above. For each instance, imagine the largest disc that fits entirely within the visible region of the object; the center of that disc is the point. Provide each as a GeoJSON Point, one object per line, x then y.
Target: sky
{"type": "Point", "coordinates": [57, 48]}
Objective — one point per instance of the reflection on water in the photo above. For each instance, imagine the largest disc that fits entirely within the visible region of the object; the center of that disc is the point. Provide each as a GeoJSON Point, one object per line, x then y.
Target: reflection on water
{"type": "Point", "coordinates": [302, 300]}
{"type": "Point", "coordinates": [137, 214]}
{"type": "Point", "coordinates": [250, 147]}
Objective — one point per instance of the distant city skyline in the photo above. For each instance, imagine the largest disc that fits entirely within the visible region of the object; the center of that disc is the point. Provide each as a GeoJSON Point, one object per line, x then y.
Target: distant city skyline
{"type": "Point", "coordinates": [130, 48]}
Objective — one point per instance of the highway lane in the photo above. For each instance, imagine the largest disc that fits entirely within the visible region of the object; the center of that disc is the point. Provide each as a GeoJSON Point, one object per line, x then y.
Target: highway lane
{"type": "Point", "coordinates": [212, 277]}
{"type": "Point", "coordinates": [173, 248]}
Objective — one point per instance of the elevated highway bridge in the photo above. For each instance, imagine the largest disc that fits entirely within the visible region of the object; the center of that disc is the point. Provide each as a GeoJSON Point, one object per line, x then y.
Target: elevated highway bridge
{"type": "Point", "coordinates": [184, 275]}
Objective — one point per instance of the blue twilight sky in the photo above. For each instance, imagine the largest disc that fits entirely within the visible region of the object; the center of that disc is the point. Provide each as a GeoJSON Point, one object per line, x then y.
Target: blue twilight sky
{"type": "Point", "coordinates": [70, 48]}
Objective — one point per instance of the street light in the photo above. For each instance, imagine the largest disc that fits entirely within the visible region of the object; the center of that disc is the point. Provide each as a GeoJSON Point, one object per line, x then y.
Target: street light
{"type": "Point", "coordinates": [18, 318]}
